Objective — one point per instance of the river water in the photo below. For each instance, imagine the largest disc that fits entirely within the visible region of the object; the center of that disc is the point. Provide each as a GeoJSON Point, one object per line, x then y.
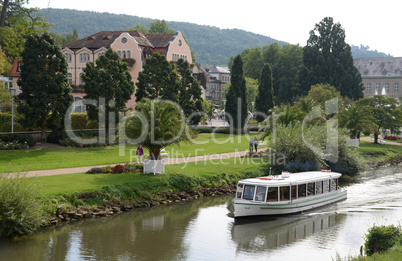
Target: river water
{"type": "Point", "coordinates": [205, 230]}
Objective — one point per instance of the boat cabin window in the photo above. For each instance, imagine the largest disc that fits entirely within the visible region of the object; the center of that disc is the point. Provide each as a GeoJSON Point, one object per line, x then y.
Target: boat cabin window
{"type": "Point", "coordinates": [294, 192]}
{"type": "Point", "coordinates": [285, 193]}
{"type": "Point", "coordinates": [260, 194]}
{"type": "Point", "coordinates": [326, 186]}
{"type": "Point", "coordinates": [318, 187]}
{"type": "Point", "coordinates": [239, 190]}
{"type": "Point", "coordinates": [334, 184]}
{"type": "Point", "coordinates": [248, 192]}
{"type": "Point", "coordinates": [311, 189]}
{"type": "Point", "coordinates": [272, 194]}
{"type": "Point", "coordinates": [302, 190]}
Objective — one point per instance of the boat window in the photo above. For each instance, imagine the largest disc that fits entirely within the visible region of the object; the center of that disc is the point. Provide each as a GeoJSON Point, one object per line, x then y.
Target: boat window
{"type": "Point", "coordinates": [311, 189]}
{"type": "Point", "coordinates": [239, 190]}
{"type": "Point", "coordinates": [302, 190]}
{"type": "Point", "coordinates": [334, 184]}
{"type": "Point", "coordinates": [272, 194]}
{"type": "Point", "coordinates": [326, 186]}
{"type": "Point", "coordinates": [285, 193]}
{"type": "Point", "coordinates": [260, 194]}
{"type": "Point", "coordinates": [318, 187]}
{"type": "Point", "coordinates": [248, 192]}
{"type": "Point", "coordinates": [294, 192]}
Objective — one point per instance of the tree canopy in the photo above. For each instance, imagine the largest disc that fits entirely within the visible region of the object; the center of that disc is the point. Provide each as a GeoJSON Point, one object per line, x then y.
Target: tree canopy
{"type": "Point", "coordinates": [110, 79]}
{"type": "Point", "coordinates": [46, 94]}
{"type": "Point", "coordinates": [158, 79]}
{"type": "Point", "coordinates": [265, 98]}
{"type": "Point", "coordinates": [327, 58]}
{"type": "Point", "coordinates": [157, 27]}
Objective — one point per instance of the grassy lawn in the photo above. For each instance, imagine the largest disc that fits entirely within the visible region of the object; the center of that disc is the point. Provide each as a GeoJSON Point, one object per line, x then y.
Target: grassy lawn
{"type": "Point", "coordinates": [53, 158]}
{"type": "Point", "coordinates": [377, 152]}
{"type": "Point", "coordinates": [79, 183]}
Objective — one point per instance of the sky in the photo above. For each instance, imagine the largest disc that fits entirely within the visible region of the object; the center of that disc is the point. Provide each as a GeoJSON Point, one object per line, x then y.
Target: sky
{"type": "Point", "coordinates": [376, 24]}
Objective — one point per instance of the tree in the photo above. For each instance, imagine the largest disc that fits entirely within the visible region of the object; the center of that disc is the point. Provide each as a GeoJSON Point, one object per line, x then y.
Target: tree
{"type": "Point", "coordinates": [157, 80]}
{"type": "Point", "coordinates": [46, 94]}
{"type": "Point", "coordinates": [320, 93]}
{"type": "Point", "coordinates": [328, 59]}
{"type": "Point", "coordinates": [109, 79]}
{"type": "Point", "coordinates": [253, 63]}
{"type": "Point", "coordinates": [5, 64]}
{"type": "Point", "coordinates": [157, 124]}
{"type": "Point", "coordinates": [236, 105]}
{"type": "Point", "coordinates": [190, 98]}
{"type": "Point", "coordinates": [207, 108]}
{"type": "Point", "coordinates": [385, 112]}
{"type": "Point", "coordinates": [356, 118]}
{"type": "Point", "coordinates": [157, 27]}
{"type": "Point", "coordinates": [16, 22]}
{"type": "Point", "coordinates": [265, 98]}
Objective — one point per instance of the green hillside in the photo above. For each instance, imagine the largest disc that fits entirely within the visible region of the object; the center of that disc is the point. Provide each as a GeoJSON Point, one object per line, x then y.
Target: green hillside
{"type": "Point", "coordinates": [211, 45]}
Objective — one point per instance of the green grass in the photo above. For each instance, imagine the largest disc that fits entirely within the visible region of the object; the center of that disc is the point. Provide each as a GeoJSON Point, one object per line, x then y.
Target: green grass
{"type": "Point", "coordinates": [379, 152]}
{"type": "Point", "coordinates": [79, 183]}
{"type": "Point", "coordinates": [53, 158]}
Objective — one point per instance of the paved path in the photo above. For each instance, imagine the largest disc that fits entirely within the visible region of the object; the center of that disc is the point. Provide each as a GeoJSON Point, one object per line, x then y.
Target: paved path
{"type": "Point", "coordinates": [168, 161]}
{"type": "Point", "coordinates": [388, 142]}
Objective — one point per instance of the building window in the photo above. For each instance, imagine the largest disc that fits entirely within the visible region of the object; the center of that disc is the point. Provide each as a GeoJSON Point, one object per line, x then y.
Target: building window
{"type": "Point", "coordinates": [128, 54]}
{"type": "Point", "coordinates": [81, 80]}
{"type": "Point", "coordinates": [396, 87]}
{"type": "Point", "coordinates": [368, 88]}
{"type": "Point", "coordinates": [78, 106]}
{"type": "Point", "coordinates": [99, 54]}
{"type": "Point", "coordinates": [387, 88]}
{"type": "Point", "coordinates": [377, 88]}
{"type": "Point", "coordinates": [84, 57]}
{"type": "Point", "coordinates": [123, 40]}
{"type": "Point", "coordinates": [124, 54]}
{"type": "Point", "coordinates": [68, 57]}
{"type": "Point", "coordinates": [119, 53]}
{"type": "Point", "coordinates": [70, 78]}
{"type": "Point", "coordinates": [180, 42]}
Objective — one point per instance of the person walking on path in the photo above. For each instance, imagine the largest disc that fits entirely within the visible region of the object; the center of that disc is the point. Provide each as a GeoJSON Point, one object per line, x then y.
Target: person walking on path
{"type": "Point", "coordinates": [140, 152]}
{"type": "Point", "coordinates": [255, 143]}
{"type": "Point", "coordinates": [250, 147]}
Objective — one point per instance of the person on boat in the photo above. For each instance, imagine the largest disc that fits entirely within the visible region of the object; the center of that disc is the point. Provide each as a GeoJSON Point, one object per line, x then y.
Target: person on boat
{"type": "Point", "coordinates": [140, 152]}
{"type": "Point", "coordinates": [255, 143]}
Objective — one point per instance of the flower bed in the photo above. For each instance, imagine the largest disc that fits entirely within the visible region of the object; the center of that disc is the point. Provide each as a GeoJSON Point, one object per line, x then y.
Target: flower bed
{"type": "Point", "coordinates": [259, 154]}
{"type": "Point", "coordinates": [119, 168]}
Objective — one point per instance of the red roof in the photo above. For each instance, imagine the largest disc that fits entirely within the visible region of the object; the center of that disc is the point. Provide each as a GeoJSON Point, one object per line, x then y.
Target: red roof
{"type": "Point", "coordinates": [14, 69]}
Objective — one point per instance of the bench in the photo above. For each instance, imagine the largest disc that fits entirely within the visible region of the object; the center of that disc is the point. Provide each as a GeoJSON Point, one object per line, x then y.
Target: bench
{"type": "Point", "coordinates": [164, 153]}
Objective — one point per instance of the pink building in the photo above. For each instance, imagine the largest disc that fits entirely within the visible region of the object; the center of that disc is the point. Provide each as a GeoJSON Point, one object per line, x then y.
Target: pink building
{"type": "Point", "coordinates": [132, 46]}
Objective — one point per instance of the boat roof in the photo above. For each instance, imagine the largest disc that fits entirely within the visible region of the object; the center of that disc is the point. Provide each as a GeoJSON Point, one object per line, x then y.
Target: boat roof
{"type": "Point", "coordinates": [294, 178]}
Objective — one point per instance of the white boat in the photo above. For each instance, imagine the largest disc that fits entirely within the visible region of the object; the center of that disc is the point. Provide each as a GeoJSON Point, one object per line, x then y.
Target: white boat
{"type": "Point", "coordinates": [287, 193]}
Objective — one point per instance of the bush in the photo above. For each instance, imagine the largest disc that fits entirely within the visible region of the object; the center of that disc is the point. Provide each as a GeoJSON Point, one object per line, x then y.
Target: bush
{"type": "Point", "coordinates": [381, 238]}
{"type": "Point", "coordinates": [5, 122]}
{"type": "Point", "coordinates": [21, 211]}
{"type": "Point", "coordinates": [18, 138]}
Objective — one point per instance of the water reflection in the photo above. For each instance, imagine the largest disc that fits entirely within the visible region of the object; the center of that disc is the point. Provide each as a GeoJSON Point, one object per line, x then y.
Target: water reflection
{"type": "Point", "coordinates": [274, 233]}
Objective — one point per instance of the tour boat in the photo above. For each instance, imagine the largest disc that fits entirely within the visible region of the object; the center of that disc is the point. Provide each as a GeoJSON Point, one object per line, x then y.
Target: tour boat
{"type": "Point", "coordinates": [287, 193]}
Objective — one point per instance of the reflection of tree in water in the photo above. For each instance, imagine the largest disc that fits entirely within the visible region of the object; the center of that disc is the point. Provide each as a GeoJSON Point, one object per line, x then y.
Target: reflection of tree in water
{"type": "Point", "coordinates": [275, 232]}
{"type": "Point", "coordinates": [149, 234]}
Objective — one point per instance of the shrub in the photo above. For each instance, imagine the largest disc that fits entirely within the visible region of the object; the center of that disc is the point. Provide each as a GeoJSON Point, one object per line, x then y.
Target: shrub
{"type": "Point", "coordinates": [381, 238]}
{"type": "Point", "coordinates": [21, 211]}
{"type": "Point", "coordinates": [18, 138]}
{"type": "Point", "coordinates": [118, 169]}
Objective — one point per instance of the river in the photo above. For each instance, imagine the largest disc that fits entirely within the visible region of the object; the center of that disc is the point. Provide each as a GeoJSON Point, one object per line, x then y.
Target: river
{"type": "Point", "coordinates": [205, 230]}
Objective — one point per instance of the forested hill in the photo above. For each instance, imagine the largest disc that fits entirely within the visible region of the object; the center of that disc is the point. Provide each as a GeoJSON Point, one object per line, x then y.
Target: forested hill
{"type": "Point", "coordinates": [211, 45]}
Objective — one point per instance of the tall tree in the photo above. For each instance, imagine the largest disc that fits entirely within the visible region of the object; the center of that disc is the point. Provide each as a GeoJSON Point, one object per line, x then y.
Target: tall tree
{"type": "Point", "coordinates": [190, 98]}
{"type": "Point", "coordinates": [158, 79]}
{"type": "Point", "coordinates": [16, 22]}
{"type": "Point", "coordinates": [110, 79]}
{"type": "Point", "coordinates": [236, 105]}
{"type": "Point", "coordinates": [46, 94]}
{"type": "Point", "coordinates": [328, 59]}
{"type": "Point", "coordinates": [265, 98]}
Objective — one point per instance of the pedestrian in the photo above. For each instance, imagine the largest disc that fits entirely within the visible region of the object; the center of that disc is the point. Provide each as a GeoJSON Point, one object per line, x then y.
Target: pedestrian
{"type": "Point", "coordinates": [255, 143]}
{"type": "Point", "coordinates": [250, 147]}
{"type": "Point", "coordinates": [140, 152]}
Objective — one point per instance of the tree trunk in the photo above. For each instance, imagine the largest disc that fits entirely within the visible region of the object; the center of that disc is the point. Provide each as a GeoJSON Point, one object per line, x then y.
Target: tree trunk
{"type": "Point", "coordinates": [43, 134]}
{"type": "Point", "coordinates": [376, 138]}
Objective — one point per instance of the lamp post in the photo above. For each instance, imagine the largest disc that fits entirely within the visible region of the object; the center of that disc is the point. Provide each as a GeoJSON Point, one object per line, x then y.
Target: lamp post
{"type": "Point", "coordinates": [12, 90]}
{"type": "Point", "coordinates": [252, 111]}
{"type": "Point", "coordinates": [224, 112]}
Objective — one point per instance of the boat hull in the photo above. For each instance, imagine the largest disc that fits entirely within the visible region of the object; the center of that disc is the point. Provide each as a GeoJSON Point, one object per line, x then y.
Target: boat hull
{"type": "Point", "coordinates": [244, 208]}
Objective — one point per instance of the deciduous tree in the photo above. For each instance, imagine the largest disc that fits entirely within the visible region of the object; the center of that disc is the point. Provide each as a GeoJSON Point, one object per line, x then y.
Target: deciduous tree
{"type": "Point", "coordinates": [109, 79]}
{"type": "Point", "coordinates": [46, 94]}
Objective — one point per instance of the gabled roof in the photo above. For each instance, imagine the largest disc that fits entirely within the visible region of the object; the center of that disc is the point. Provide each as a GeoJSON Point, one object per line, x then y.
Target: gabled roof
{"type": "Point", "coordinates": [14, 69]}
{"type": "Point", "coordinates": [379, 67]}
{"type": "Point", "coordinates": [218, 69]}
{"type": "Point", "coordinates": [105, 39]}
{"type": "Point", "coordinates": [160, 40]}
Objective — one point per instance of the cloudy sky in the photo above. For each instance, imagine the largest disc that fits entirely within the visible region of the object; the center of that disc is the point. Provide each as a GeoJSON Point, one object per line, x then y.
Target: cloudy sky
{"type": "Point", "coordinates": [373, 23]}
